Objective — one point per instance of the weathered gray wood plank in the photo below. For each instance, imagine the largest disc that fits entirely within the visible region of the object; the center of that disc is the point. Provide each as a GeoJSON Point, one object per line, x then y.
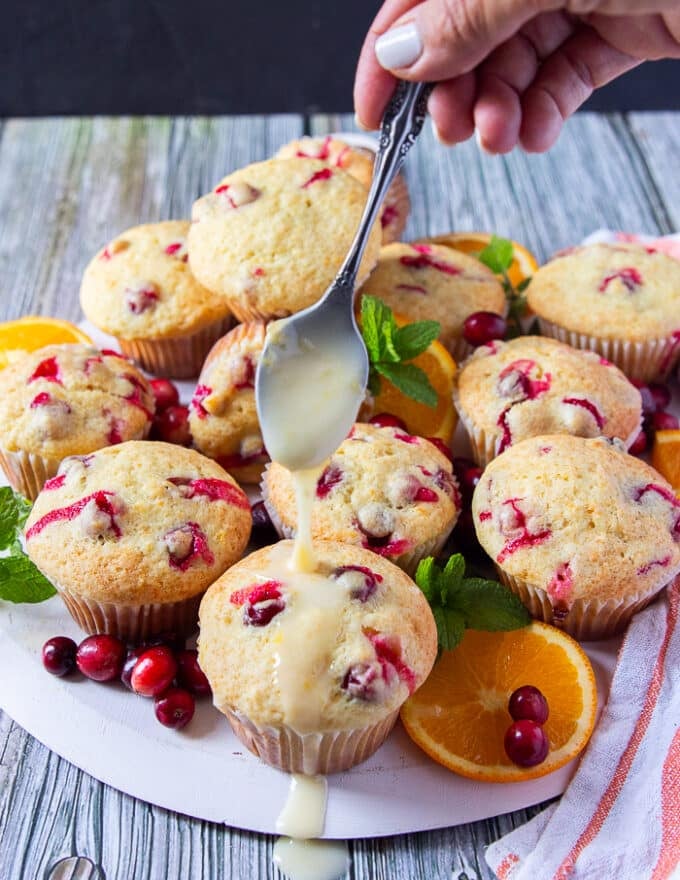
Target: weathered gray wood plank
{"type": "Point", "coordinates": [66, 186]}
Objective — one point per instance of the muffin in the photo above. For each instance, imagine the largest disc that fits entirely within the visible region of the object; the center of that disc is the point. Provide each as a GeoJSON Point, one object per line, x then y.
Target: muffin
{"type": "Point", "coordinates": [222, 413]}
{"type": "Point", "coordinates": [311, 669]}
{"type": "Point", "coordinates": [435, 282]}
{"type": "Point", "coordinates": [271, 237]}
{"type": "Point", "coordinates": [132, 536]}
{"type": "Point", "coordinates": [384, 490]}
{"type": "Point", "coordinates": [357, 161]}
{"type": "Point", "coordinates": [140, 289]}
{"type": "Point", "coordinates": [619, 300]}
{"type": "Point", "coordinates": [584, 533]}
{"type": "Point", "coordinates": [508, 391]}
{"type": "Point", "coordinates": [67, 400]}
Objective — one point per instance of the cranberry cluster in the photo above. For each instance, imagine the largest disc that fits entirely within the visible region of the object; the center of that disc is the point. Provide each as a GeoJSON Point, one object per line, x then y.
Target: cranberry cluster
{"type": "Point", "coordinates": [526, 742]}
{"type": "Point", "coordinates": [480, 328]}
{"type": "Point", "coordinates": [162, 668]}
{"type": "Point", "coordinates": [171, 422]}
{"type": "Point", "coordinates": [655, 398]}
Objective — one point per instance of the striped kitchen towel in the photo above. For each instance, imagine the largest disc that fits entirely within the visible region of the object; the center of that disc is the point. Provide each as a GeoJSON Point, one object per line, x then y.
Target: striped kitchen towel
{"type": "Point", "coordinates": [619, 819]}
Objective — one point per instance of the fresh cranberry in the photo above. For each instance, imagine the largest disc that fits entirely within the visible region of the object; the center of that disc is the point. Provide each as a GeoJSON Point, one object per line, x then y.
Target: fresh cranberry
{"type": "Point", "coordinates": [639, 445]}
{"type": "Point", "coordinates": [59, 655]}
{"type": "Point", "coordinates": [468, 475]}
{"type": "Point", "coordinates": [526, 743]}
{"type": "Point", "coordinates": [165, 393]}
{"type": "Point", "coordinates": [441, 446]}
{"type": "Point", "coordinates": [665, 421]}
{"type": "Point", "coordinates": [648, 401]}
{"type": "Point", "coordinates": [131, 659]}
{"type": "Point", "coordinates": [481, 327]}
{"type": "Point", "coordinates": [172, 426]}
{"type": "Point", "coordinates": [101, 657]}
{"type": "Point", "coordinates": [190, 675]}
{"type": "Point", "coordinates": [153, 672]}
{"type": "Point", "coordinates": [263, 532]}
{"type": "Point", "coordinates": [528, 703]}
{"type": "Point", "coordinates": [661, 394]}
{"type": "Point", "coordinates": [387, 420]}
{"type": "Point", "coordinates": [175, 708]}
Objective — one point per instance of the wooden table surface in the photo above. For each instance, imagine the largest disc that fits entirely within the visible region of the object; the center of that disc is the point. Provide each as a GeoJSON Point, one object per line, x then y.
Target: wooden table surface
{"type": "Point", "coordinates": [66, 187]}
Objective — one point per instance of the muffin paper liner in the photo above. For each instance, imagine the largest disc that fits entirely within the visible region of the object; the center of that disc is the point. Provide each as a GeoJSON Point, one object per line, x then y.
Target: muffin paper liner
{"type": "Point", "coordinates": [649, 361]}
{"type": "Point", "coordinates": [408, 561]}
{"type": "Point", "coordinates": [587, 620]}
{"type": "Point", "coordinates": [27, 472]}
{"type": "Point", "coordinates": [132, 623]}
{"type": "Point", "coordinates": [180, 357]}
{"type": "Point", "coordinates": [459, 350]}
{"type": "Point", "coordinates": [310, 753]}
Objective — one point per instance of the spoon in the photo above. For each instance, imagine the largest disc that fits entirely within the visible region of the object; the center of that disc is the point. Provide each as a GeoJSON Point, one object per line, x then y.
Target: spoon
{"type": "Point", "coordinates": [312, 375]}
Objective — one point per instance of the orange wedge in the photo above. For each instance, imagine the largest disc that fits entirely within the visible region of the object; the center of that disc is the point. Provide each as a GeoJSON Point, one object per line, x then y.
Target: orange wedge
{"type": "Point", "coordinates": [523, 265]}
{"type": "Point", "coordinates": [666, 456]}
{"type": "Point", "coordinates": [425, 421]}
{"type": "Point", "coordinates": [460, 715]}
{"type": "Point", "coordinates": [28, 334]}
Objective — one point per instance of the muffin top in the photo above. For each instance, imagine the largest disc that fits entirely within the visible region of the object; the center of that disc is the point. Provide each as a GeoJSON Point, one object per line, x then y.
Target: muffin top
{"type": "Point", "coordinates": [141, 522]}
{"type": "Point", "coordinates": [272, 236]}
{"type": "Point", "coordinates": [338, 649]}
{"type": "Point", "coordinates": [333, 152]}
{"type": "Point", "coordinates": [140, 286]}
{"type": "Point", "coordinates": [383, 489]}
{"type": "Point", "coordinates": [223, 417]}
{"type": "Point", "coordinates": [430, 281]}
{"type": "Point", "coordinates": [534, 385]}
{"type": "Point", "coordinates": [578, 518]}
{"type": "Point", "coordinates": [610, 290]}
{"type": "Point", "coordinates": [68, 399]}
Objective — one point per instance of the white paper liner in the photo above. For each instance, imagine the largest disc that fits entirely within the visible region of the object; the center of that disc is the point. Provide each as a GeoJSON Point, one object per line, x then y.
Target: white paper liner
{"type": "Point", "coordinates": [310, 753]}
{"type": "Point", "coordinates": [180, 357]}
{"type": "Point", "coordinates": [649, 361]}
{"type": "Point", "coordinates": [586, 620]}
{"type": "Point", "coordinates": [27, 472]}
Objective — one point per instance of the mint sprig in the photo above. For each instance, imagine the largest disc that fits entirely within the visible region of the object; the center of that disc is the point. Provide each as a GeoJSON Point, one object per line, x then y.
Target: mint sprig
{"type": "Point", "coordinates": [497, 256]}
{"type": "Point", "coordinates": [390, 347]}
{"type": "Point", "coordinates": [459, 603]}
{"type": "Point", "coordinates": [20, 580]}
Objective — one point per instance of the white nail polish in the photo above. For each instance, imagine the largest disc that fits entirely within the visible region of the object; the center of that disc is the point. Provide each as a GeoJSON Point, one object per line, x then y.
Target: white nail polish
{"type": "Point", "coordinates": [398, 48]}
{"type": "Point", "coordinates": [480, 143]}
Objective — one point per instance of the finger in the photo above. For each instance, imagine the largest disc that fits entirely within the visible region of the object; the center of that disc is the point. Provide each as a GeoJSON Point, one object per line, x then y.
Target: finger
{"type": "Point", "coordinates": [507, 72]}
{"type": "Point", "coordinates": [373, 85]}
{"type": "Point", "coordinates": [450, 106]}
{"type": "Point", "coordinates": [565, 80]}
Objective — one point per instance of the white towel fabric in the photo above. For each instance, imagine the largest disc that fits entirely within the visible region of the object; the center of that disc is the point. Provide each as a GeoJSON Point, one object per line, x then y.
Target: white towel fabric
{"type": "Point", "coordinates": [619, 819]}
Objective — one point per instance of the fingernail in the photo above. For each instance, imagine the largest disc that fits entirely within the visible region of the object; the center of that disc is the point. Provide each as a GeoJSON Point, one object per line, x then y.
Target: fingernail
{"type": "Point", "coordinates": [439, 137]}
{"type": "Point", "coordinates": [482, 146]}
{"type": "Point", "coordinates": [399, 47]}
{"type": "Point", "coordinates": [359, 124]}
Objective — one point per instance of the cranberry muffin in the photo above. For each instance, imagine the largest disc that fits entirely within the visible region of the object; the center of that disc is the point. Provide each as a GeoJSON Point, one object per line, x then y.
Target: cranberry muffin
{"type": "Point", "coordinates": [508, 391]}
{"type": "Point", "coordinates": [132, 535]}
{"type": "Point", "coordinates": [67, 400]}
{"type": "Point", "coordinates": [357, 161]}
{"type": "Point", "coordinates": [384, 490]}
{"type": "Point", "coordinates": [222, 412]}
{"type": "Point", "coordinates": [620, 300]}
{"type": "Point", "coordinates": [584, 533]}
{"type": "Point", "coordinates": [271, 237]}
{"type": "Point", "coordinates": [312, 668]}
{"type": "Point", "coordinates": [435, 282]}
{"type": "Point", "coordinates": [140, 289]}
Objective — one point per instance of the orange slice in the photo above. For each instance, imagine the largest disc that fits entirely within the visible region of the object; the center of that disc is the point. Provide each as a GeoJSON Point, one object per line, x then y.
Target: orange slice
{"type": "Point", "coordinates": [523, 265]}
{"type": "Point", "coordinates": [666, 456]}
{"type": "Point", "coordinates": [460, 715]}
{"type": "Point", "coordinates": [425, 421]}
{"type": "Point", "coordinates": [28, 334]}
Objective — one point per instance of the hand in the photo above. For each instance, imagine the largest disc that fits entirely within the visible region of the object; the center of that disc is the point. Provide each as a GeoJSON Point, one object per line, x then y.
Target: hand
{"type": "Point", "coordinates": [514, 70]}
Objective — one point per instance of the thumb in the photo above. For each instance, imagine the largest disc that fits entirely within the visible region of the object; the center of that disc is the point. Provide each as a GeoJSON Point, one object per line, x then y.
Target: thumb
{"type": "Point", "coordinates": [441, 39]}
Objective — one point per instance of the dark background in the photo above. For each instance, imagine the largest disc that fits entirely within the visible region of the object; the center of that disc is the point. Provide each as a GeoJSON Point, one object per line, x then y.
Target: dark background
{"type": "Point", "coordinates": [204, 57]}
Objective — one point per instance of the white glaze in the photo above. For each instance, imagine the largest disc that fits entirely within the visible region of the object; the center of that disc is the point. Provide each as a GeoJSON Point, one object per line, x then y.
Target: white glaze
{"type": "Point", "coordinates": [304, 812]}
{"type": "Point", "coordinates": [305, 487]}
{"type": "Point", "coordinates": [311, 859]}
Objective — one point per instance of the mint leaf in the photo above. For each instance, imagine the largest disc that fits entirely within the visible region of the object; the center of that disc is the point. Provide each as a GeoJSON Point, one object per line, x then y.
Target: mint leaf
{"type": "Point", "coordinates": [497, 255]}
{"type": "Point", "coordinates": [390, 352]}
{"type": "Point", "coordinates": [14, 510]}
{"type": "Point", "coordinates": [410, 380]}
{"type": "Point", "coordinates": [413, 339]}
{"type": "Point", "coordinates": [20, 581]}
{"type": "Point", "coordinates": [451, 577]}
{"type": "Point", "coordinates": [424, 577]}
{"type": "Point", "coordinates": [450, 627]}
{"type": "Point", "coordinates": [490, 606]}
{"type": "Point", "coordinates": [371, 326]}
